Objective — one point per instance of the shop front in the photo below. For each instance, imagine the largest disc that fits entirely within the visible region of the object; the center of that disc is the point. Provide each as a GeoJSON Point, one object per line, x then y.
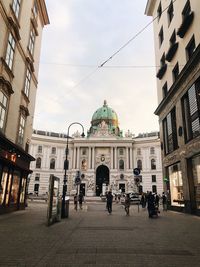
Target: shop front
{"type": "Point", "coordinates": [14, 171]}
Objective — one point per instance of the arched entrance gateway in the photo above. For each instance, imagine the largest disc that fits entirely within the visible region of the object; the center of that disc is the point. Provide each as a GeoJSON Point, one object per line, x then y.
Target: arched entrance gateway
{"type": "Point", "coordinates": [102, 177]}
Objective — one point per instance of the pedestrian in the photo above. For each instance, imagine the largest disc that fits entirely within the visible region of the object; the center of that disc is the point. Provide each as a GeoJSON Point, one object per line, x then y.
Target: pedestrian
{"type": "Point", "coordinates": [143, 200]}
{"type": "Point", "coordinates": [164, 201]}
{"type": "Point", "coordinates": [109, 198]}
{"type": "Point", "coordinates": [80, 199]}
{"type": "Point", "coordinates": [127, 204]}
{"type": "Point", "coordinates": [151, 204]}
{"type": "Point", "coordinates": [157, 199]}
{"type": "Point", "coordinates": [76, 201]}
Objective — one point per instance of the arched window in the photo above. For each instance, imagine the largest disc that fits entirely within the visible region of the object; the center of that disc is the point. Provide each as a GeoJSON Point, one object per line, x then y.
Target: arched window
{"type": "Point", "coordinates": [38, 163]}
{"type": "Point", "coordinates": [121, 164]}
{"type": "Point", "coordinates": [52, 164]}
{"type": "Point", "coordinates": [154, 188]}
{"type": "Point", "coordinates": [153, 164]}
{"type": "Point", "coordinates": [139, 164]}
{"type": "Point", "coordinates": [152, 150]}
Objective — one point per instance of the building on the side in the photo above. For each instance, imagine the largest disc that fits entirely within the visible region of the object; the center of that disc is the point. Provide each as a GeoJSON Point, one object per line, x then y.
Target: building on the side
{"type": "Point", "coordinates": [177, 53]}
{"type": "Point", "coordinates": [21, 23]}
{"type": "Point", "coordinates": [104, 158]}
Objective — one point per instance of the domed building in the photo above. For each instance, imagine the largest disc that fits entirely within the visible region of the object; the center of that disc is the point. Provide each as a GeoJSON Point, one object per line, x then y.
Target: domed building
{"type": "Point", "coordinates": [105, 158]}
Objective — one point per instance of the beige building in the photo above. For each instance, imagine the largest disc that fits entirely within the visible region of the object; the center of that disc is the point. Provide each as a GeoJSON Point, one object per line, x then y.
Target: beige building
{"type": "Point", "coordinates": [105, 158]}
{"type": "Point", "coordinates": [21, 25]}
{"type": "Point", "coordinates": [177, 53]}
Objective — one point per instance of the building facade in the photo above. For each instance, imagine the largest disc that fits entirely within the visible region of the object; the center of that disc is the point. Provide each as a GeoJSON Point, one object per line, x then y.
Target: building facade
{"type": "Point", "coordinates": [104, 158]}
{"type": "Point", "coordinates": [177, 53]}
{"type": "Point", "coordinates": [21, 23]}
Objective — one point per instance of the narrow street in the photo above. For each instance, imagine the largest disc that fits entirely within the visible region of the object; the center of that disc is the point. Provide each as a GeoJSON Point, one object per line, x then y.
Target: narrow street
{"type": "Point", "coordinates": [91, 237]}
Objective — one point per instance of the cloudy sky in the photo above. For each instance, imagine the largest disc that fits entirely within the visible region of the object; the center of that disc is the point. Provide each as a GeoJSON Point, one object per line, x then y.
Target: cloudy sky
{"type": "Point", "coordinates": [83, 34]}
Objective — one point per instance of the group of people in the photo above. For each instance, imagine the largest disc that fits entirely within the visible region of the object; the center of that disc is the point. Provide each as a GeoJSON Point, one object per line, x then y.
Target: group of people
{"type": "Point", "coordinates": [151, 200]}
{"type": "Point", "coordinates": [78, 198]}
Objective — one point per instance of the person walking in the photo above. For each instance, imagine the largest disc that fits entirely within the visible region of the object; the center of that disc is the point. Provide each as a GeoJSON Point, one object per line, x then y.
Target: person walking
{"type": "Point", "coordinates": [143, 200]}
{"type": "Point", "coordinates": [76, 201]}
{"type": "Point", "coordinates": [127, 204]}
{"type": "Point", "coordinates": [80, 199]}
{"type": "Point", "coordinates": [164, 201]}
{"type": "Point", "coordinates": [109, 197]}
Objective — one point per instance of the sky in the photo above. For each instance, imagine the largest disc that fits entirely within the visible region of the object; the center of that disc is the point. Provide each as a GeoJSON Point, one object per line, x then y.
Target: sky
{"type": "Point", "coordinates": [83, 34]}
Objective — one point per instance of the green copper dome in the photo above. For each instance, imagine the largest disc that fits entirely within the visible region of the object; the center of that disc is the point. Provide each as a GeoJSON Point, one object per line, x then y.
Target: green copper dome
{"type": "Point", "coordinates": [106, 114]}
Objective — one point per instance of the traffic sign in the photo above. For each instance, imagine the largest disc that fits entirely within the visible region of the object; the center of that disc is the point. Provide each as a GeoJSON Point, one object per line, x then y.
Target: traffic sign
{"type": "Point", "coordinates": [136, 171]}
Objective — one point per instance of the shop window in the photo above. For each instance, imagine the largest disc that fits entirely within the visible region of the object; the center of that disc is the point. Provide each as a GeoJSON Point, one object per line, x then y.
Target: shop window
{"type": "Point", "coordinates": [170, 12]}
{"type": "Point", "coordinates": [170, 133]}
{"type": "Point", "coordinates": [175, 72]}
{"type": "Point", "coordinates": [153, 164]}
{"type": "Point", "coordinates": [161, 37]}
{"type": "Point", "coordinates": [159, 11]}
{"type": "Point", "coordinates": [176, 185]}
{"type": "Point", "coordinates": [153, 178]}
{"type": "Point", "coordinates": [53, 150]}
{"type": "Point", "coordinates": [3, 110]}
{"type": "Point", "coordinates": [15, 188]}
{"type": "Point", "coordinates": [16, 7]}
{"type": "Point", "coordinates": [21, 130]}
{"type": "Point", "coordinates": [152, 150]}
{"type": "Point", "coordinates": [39, 149]}
{"type": "Point", "coordinates": [10, 51]}
{"type": "Point", "coordinates": [3, 185]}
{"type": "Point", "coordinates": [190, 48]}
{"type": "Point", "coordinates": [154, 189]}
{"type": "Point", "coordinates": [139, 164]}
{"type": "Point", "coordinates": [23, 190]}
{"type": "Point", "coordinates": [121, 164]}
{"type": "Point", "coordinates": [36, 189]}
{"type": "Point", "coordinates": [121, 151]}
{"type": "Point", "coordinates": [52, 163]}
{"type": "Point", "coordinates": [191, 111]}
{"type": "Point", "coordinates": [27, 83]}
{"type": "Point", "coordinates": [38, 163]}
{"type": "Point", "coordinates": [196, 178]}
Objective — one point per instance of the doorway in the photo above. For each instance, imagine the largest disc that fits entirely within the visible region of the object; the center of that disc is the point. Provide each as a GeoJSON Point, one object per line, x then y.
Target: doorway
{"type": "Point", "coordinates": [122, 188]}
{"type": "Point", "coordinates": [102, 177]}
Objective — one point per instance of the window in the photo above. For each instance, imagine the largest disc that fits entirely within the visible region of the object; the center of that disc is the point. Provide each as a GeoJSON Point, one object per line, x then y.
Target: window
{"type": "Point", "coordinates": [36, 189]}
{"type": "Point", "coordinates": [21, 130]}
{"type": "Point", "coordinates": [53, 150]}
{"type": "Point", "coordinates": [52, 164]}
{"type": "Point", "coordinates": [175, 72]}
{"type": "Point", "coordinates": [164, 90]}
{"type": "Point", "coordinates": [187, 9]}
{"type": "Point", "coordinates": [37, 177]}
{"type": "Point", "coordinates": [139, 151]}
{"type": "Point", "coordinates": [159, 11]}
{"type": "Point", "coordinates": [10, 51]}
{"type": "Point", "coordinates": [161, 36]}
{"type": "Point", "coordinates": [170, 12]}
{"type": "Point", "coordinates": [152, 150]}
{"type": "Point", "coordinates": [154, 188]}
{"type": "Point", "coordinates": [31, 42]}
{"type": "Point", "coordinates": [153, 164]}
{"type": "Point", "coordinates": [39, 149]}
{"type": "Point", "coordinates": [173, 38]}
{"type": "Point", "coordinates": [84, 151]}
{"type": "Point", "coordinates": [16, 7]}
{"type": "Point", "coordinates": [169, 132]}
{"type": "Point", "coordinates": [27, 82]}
{"type": "Point", "coordinates": [190, 48]}
{"type": "Point", "coordinates": [38, 163]}
{"type": "Point", "coordinates": [121, 164]}
{"type": "Point", "coordinates": [191, 112]}
{"type": "Point", "coordinates": [35, 9]}
{"type": "Point", "coordinates": [121, 151]}
{"type": "Point", "coordinates": [3, 109]}
{"type": "Point", "coordinates": [162, 60]}
{"type": "Point", "coordinates": [153, 177]}
{"type": "Point", "coordinates": [139, 164]}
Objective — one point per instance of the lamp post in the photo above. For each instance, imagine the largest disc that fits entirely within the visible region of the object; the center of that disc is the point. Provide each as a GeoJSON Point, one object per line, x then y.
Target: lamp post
{"type": "Point", "coordinates": [66, 165]}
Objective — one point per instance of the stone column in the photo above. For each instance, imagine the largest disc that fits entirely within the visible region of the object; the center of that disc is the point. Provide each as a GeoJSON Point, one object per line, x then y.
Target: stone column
{"type": "Point", "coordinates": [131, 158]}
{"type": "Point", "coordinates": [127, 159]}
{"type": "Point", "coordinates": [115, 149]}
{"type": "Point", "coordinates": [93, 157]}
{"type": "Point", "coordinates": [74, 158]}
{"type": "Point", "coordinates": [78, 158]}
{"type": "Point", "coordinates": [111, 158]}
{"type": "Point", "coordinates": [89, 158]}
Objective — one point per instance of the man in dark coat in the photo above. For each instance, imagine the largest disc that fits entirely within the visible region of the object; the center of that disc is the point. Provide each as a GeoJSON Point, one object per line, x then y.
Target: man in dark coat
{"type": "Point", "coordinates": [151, 204]}
{"type": "Point", "coordinates": [109, 197]}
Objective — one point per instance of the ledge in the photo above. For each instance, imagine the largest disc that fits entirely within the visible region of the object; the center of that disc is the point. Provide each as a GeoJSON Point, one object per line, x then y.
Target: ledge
{"type": "Point", "coordinates": [185, 25]}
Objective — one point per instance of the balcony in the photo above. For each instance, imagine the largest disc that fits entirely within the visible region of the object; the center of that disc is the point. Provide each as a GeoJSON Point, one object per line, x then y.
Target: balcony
{"type": "Point", "coordinates": [187, 21]}
{"type": "Point", "coordinates": [161, 71]}
{"type": "Point", "coordinates": [171, 52]}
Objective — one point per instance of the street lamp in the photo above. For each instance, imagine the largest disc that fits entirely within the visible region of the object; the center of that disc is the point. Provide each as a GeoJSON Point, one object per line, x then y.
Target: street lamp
{"type": "Point", "coordinates": [66, 166]}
